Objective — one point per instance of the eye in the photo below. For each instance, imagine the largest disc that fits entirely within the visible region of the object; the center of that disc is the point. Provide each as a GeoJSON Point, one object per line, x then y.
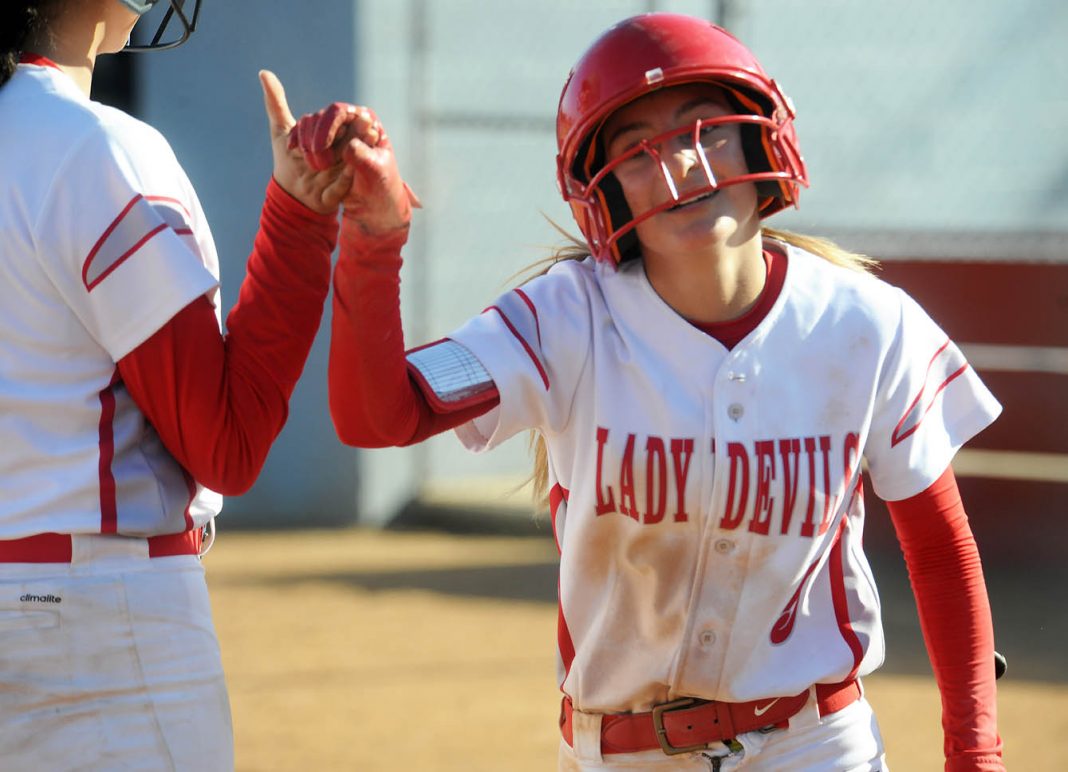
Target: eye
{"type": "Point", "coordinates": [636, 157]}
{"type": "Point", "coordinates": [714, 137]}
{"type": "Point", "coordinates": [622, 146]}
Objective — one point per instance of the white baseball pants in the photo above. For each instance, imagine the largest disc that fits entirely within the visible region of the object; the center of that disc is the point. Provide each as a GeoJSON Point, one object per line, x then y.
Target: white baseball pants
{"type": "Point", "coordinates": [110, 663]}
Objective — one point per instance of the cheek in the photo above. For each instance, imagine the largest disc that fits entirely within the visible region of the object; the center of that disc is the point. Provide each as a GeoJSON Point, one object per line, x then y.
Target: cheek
{"type": "Point", "coordinates": [635, 190]}
{"type": "Point", "coordinates": [730, 162]}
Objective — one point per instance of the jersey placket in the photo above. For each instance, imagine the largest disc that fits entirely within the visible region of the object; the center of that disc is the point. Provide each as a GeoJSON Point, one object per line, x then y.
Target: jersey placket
{"type": "Point", "coordinates": [705, 644]}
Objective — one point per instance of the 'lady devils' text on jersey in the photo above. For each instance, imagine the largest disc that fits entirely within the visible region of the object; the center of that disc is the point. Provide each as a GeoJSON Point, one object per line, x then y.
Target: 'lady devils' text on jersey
{"type": "Point", "coordinates": [706, 501]}
{"type": "Point", "coordinates": [757, 469]}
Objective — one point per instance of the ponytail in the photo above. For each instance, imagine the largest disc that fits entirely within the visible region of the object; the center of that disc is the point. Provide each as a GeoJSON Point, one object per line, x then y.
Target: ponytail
{"type": "Point", "coordinates": [19, 21]}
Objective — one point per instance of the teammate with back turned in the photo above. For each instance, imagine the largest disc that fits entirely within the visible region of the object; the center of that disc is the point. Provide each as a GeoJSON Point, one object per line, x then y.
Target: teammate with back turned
{"type": "Point", "coordinates": [124, 412]}
{"type": "Point", "coordinates": [706, 390]}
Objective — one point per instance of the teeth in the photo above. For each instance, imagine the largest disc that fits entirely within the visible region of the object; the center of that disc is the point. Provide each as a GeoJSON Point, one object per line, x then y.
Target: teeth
{"type": "Point", "coordinates": [695, 200]}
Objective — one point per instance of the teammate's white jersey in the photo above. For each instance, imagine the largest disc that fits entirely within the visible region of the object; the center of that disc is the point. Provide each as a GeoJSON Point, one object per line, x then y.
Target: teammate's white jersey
{"type": "Point", "coordinates": [707, 503]}
{"type": "Point", "coordinates": [104, 241]}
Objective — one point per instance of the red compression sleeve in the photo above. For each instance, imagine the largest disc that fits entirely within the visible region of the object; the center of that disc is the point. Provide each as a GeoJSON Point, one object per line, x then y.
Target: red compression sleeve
{"type": "Point", "coordinates": [219, 402]}
{"type": "Point", "coordinates": [373, 400]}
{"type": "Point", "coordinates": [947, 580]}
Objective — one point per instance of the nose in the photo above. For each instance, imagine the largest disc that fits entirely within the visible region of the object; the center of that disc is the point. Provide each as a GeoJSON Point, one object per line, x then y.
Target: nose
{"type": "Point", "coordinates": [676, 165]}
{"type": "Point", "coordinates": [680, 161]}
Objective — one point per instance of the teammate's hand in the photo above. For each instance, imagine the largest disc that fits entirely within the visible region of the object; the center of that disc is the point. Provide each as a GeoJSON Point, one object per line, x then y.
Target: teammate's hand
{"type": "Point", "coordinates": [379, 200]}
{"type": "Point", "coordinates": [321, 189]}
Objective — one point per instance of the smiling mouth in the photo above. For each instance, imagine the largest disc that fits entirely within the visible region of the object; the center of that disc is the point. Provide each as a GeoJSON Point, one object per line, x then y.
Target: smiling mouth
{"type": "Point", "coordinates": [697, 200]}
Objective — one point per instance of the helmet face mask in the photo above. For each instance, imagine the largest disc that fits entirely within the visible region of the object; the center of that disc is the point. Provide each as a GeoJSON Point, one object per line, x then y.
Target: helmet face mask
{"type": "Point", "coordinates": [173, 20]}
{"type": "Point", "coordinates": [638, 57]}
{"type": "Point", "coordinates": [608, 234]}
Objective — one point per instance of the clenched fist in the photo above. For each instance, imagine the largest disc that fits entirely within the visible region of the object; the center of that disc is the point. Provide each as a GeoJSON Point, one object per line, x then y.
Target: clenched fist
{"type": "Point", "coordinates": [353, 137]}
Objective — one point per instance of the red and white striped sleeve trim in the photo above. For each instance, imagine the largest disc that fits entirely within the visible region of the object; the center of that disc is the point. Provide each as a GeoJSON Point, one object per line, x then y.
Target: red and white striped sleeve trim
{"type": "Point", "coordinates": [946, 365]}
{"type": "Point", "coordinates": [520, 316]}
{"type": "Point", "coordinates": [140, 220]}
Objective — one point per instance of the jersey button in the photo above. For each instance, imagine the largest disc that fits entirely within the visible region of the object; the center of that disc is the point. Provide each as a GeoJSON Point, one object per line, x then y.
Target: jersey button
{"type": "Point", "coordinates": [735, 411]}
{"type": "Point", "coordinates": [707, 638]}
{"type": "Point", "coordinates": [724, 546]}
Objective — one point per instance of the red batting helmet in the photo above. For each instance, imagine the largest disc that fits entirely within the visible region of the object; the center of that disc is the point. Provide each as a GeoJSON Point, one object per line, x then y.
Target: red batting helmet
{"type": "Point", "coordinates": [638, 56]}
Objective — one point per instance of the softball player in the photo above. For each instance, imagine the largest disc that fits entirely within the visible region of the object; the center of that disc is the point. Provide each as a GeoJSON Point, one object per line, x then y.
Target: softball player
{"type": "Point", "coordinates": [124, 412]}
{"type": "Point", "coordinates": [706, 391]}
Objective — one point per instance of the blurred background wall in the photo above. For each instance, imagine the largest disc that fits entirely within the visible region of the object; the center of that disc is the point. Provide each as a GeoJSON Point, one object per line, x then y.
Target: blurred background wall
{"type": "Point", "coordinates": [934, 135]}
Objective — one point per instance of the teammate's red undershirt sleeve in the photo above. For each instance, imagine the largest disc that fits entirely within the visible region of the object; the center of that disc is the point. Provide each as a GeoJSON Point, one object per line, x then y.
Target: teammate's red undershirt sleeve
{"type": "Point", "coordinates": [373, 401]}
{"type": "Point", "coordinates": [219, 402]}
{"type": "Point", "coordinates": [947, 580]}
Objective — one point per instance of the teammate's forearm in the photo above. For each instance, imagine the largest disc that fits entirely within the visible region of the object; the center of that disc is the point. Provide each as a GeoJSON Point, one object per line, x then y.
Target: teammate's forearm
{"type": "Point", "coordinates": [947, 579]}
{"type": "Point", "coordinates": [219, 404]}
{"type": "Point", "coordinates": [280, 304]}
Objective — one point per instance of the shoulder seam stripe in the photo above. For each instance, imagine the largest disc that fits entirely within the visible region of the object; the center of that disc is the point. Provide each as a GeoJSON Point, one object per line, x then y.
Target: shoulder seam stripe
{"type": "Point", "coordinates": [104, 237]}
{"type": "Point", "coordinates": [898, 435]}
{"type": "Point", "coordinates": [526, 346]}
{"type": "Point", "coordinates": [181, 230]}
{"type": "Point", "coordinates": [533, 310]}
{"type": "Point", "coordinates": [122, 258]}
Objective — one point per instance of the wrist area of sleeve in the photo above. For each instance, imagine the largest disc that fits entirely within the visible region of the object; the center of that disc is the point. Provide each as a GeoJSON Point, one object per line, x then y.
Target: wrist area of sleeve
{"type": "Point", "coordinates": [374, 250]}
{"type": "Point", "coordinates": [285, 215]}
{"type": "Point", "coordinates": [975, 762]}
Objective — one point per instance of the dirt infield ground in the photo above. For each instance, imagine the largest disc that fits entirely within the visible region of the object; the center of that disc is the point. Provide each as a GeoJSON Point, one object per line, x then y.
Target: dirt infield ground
{"type": "Point", "coordinates": [361, 650]}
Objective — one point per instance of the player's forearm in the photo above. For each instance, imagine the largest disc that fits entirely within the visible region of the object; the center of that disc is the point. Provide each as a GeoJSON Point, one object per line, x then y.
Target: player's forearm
{"type": "Point", "coordinates": [209, 413]}
{"type": "Point", "coordinates": [280, 304]}
{"type": "Point", "coordinates": [947, 579]}
{"type": "Point", "coordinates": [372, 400]}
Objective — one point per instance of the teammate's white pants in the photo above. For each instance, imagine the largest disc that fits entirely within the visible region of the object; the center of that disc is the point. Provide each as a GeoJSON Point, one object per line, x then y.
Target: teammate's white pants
{"type": "Point", "coordinates": [845, 741]}
{"type": "Point", "coordinates": [110, 663]}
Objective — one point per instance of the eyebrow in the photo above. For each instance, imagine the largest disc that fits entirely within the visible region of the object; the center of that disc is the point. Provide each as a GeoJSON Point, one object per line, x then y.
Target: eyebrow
{"type": "Point", "coordinates": [684, 108]}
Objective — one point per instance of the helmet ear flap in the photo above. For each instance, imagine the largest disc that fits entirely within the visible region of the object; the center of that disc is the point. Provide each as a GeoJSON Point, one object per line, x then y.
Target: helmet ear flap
{"type": "Point", "coordinates": [619, 214]}
{"type": "Point", "coordinates": [588, 161]}
{"type": "Point", "coordinates": [757, 147]}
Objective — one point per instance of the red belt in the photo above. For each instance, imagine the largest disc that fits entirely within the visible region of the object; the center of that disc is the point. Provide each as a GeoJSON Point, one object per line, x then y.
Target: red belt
{"type": "Point", "coordinates": [691, 724]}
{"type": "Point", "coordinates": [57, 547]}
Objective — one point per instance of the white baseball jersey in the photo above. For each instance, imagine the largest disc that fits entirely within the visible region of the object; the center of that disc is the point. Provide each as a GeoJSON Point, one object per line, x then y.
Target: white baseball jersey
{"type": "Point", "coordinates": [104, 241]}
{"type": "Point", "coordinates": [707, 503]}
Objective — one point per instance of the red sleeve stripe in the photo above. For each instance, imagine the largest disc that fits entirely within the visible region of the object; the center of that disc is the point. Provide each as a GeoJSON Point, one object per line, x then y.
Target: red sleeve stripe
{"type": "Point", "coordinates": [172, 201]}
{"type": "Point", "coordinates": [140, 220]}
{"type": "Point", "coordinates": [950, 361]}
{"type": "Point", "coordinates": [533, 311]}
{"type": "Point", "coordinates": [523, 342]}
{"type": "Point", "coordinates": [168, 208]}
{"type": "Point", "coordinates": [106, 439]}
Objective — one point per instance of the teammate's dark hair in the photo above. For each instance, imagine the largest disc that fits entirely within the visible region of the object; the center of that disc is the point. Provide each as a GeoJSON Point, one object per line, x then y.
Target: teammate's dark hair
{"type": "Point", "coordinates": [19, 19]}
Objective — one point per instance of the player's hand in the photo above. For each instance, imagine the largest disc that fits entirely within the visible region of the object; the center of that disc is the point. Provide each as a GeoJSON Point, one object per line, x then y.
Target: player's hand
{"type": "Point", "coordinates": [319, 189]}
{"type": "Point", "coordinates": [379, 200]}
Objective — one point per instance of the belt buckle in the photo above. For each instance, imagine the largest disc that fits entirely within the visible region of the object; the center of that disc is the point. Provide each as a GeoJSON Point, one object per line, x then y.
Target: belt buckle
{"type": "Point", "coordinates": [661, 732]}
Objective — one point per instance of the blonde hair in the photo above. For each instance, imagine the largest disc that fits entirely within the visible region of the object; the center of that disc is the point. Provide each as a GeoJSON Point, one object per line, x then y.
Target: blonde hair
{"type": "Point", "coordinates": [576, 249]}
